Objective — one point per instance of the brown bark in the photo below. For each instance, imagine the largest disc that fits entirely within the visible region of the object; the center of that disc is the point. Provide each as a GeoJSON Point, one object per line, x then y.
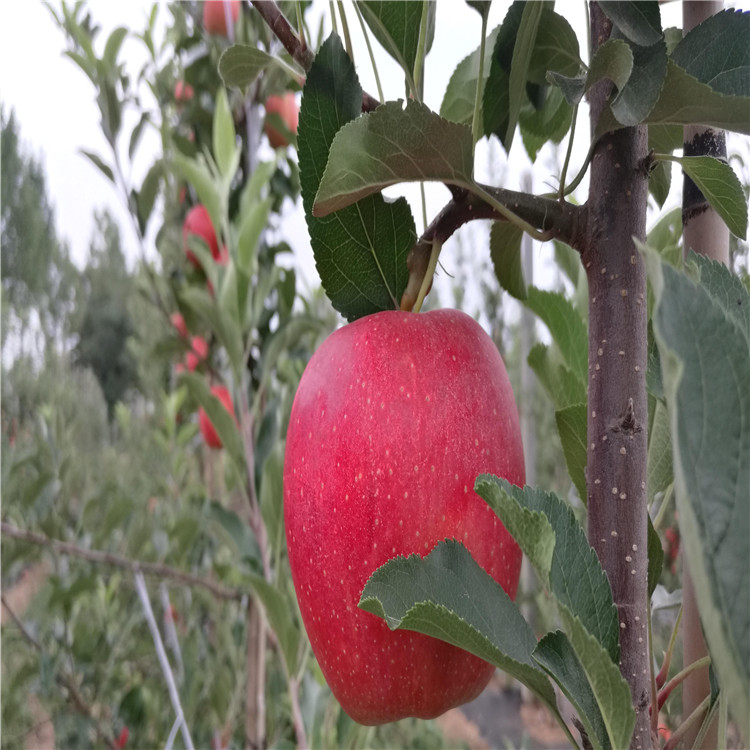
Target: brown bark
{"type": "Point", "coordinates": [255, 701]}
{"type": "Point", "coordinates": [617, 405]}
{"type": "Point", "coordinates": [705, 233]}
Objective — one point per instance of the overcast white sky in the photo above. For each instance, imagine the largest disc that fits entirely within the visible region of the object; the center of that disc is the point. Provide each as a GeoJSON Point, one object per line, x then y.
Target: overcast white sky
{"type": "Point", "coordinates": [55, 103]}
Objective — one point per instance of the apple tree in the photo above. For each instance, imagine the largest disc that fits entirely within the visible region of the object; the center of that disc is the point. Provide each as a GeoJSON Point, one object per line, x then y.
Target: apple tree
{"type": "Point", "coordinates": [627, 374]}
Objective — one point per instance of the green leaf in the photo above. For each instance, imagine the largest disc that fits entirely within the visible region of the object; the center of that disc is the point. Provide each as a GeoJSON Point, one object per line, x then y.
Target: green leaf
{"type": "Point", "coordinates": [224, 136]}
{"type": "Point", "coordinates": [684, 100]}
{"type": "Point", "coordinates": [390, 145]}
{"type": "Point", "coordinates": [505, 251]}
{"type": "Point", "coordinates": [112, 47]}
{"type": "Point", "coordinates": [396, 27]}
{"type": "Point", "coordinates": [556, 656]}
{"type": "Point", "coordinates": [640, 22]}
{"type": "Point", "coordinates": [360, 251]}
{"type": "Point", "coordinates": [279, 616]}
{"type": "Point", "coordinates": [254, 221]}
{"type": "Point", "coordinates": [480, 6]}
{"type": "Point", "coordinates": [195, 171]}
{"type": "Point", "coordinates": [572, 426]}
{"type": "Point", "coordinates": [271, 497]}
{"type": "Point", "coordinates": [519, 68]}
{"type": "Point", "coordinates": [241, 64]}
{"type": "Point", "coordinates": [566, 325]}
{"type": "Point", "coordinates": [98, 162]}
{"type": "Point", "coordinates": [149, 191]}
{"type": "Point", "coordinates": [655, 558]}
{"type": "Point", "coordinates": [721, 188]}
{"type": "Point", "coordinates": [135, 136]}
{"type": "Point", "coordinates": [612, 61]}
{"type": "Point", "coordinates": [458, 102]}
{"type": "Point", "coordinates": [660, 474]}
{"type": "Point", "coordinates": [569, 261]}
{"type": "Point", "coordinates": [638, 96]}
{"type": "Point", "coordinates": [705, 359]}
{"type": "Point", "coordinates": [224, 422]}
{"type": "Point", "coordinates": [717, 53]}
{"type": "Point", "coordinates": [555, 48]}
{"type": "Point", "coordinates": [447, 595]}
{"type": "Point", "coordinates": [573, 573]}
{"type": "Point", "coordinates": [563, 386]}
{"type": "Point", "coordinates": [550, 122]}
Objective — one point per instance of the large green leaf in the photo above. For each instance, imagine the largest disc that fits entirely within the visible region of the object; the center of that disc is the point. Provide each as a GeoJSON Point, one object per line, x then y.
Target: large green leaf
{"type": "Point", "coordinates": [684, 100]}
{"type": "Point", "coordinates": [638, 21]}
{"type": "Point", "coordinates": [571, 426]}
{"type": "Point", "coordinates": [572, 572]}
{"type": "Point", "coordinates": [705, 356]}
{"type": "Point", "coordinates": [391, 145]}
{"type": "Point", "coordinates": [396, 26]}
{"type": "Point", "coordinates": [458, 102]}
{"type": "Point", "coordinates": [447, 595]}
{"type": "Point", "coordinates": [224, 136]}
{"type": "Point", "coordinates": [241, 64]}
{"type": "Point", "coordinates": [580, 587]}
{"type": "Point", "coordinates": [721, 188]}
{"type": "Point", "coordinates": [550, 122]}
{"type": "Point", "coordinates": [360, 252]}
{"type": "Point", "coordinates": [566, 325]}
{"type": "Point", "coordinates": [717, 52]}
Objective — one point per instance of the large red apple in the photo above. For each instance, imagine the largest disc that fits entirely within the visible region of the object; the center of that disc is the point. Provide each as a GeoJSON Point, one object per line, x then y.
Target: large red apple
{"type": "Point", "coordinates": [206, 426]}
{"type": "Point", "coordinates": [214, 17]}
{"type": "Point", "coordinates": [286, 107]}
{"type": "Point", "coordinates": [198, 222]}
{"type": "Point", "coordinates": [395, 416]}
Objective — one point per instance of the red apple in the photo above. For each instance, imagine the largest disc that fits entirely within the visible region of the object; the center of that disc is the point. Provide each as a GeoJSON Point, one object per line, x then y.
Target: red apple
{"type": "Point", "coordinates": [395, 416]}
{"type": "Point", "coordinates": [286, 107]}
{"type": "Point", "coordinates": [183, 92]}
{"type": "Point", "coordinates": [198, 222]}
{"type": "Point", "coordinates": [214, 18]}
{"type": "Point", "coordinates": [207, 429]}
{"type": "Point", "coordinates": [198, 352]}
{"type": "Point", "coordinates": [179, 324]}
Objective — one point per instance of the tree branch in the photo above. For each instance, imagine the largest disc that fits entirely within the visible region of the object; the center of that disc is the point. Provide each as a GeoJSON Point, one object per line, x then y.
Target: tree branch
{"type": "Point", "coordinates": [66, 681]}
{"type": "Point", "coordinates": [155, 569]}
{"type": "Point", "coordinates": [563, 219]}
{"type": "Point", "coordinates": [295, 46]}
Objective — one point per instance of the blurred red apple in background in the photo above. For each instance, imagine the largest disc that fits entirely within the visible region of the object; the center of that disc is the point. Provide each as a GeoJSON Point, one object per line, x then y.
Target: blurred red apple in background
{"type": "Point", "coordinates": [214, 17]}
{"type": "Point", "coordinates": [286, 107]}
{"type": "Point", "coordinates": [207, 429]}
{"type": "Point", "coordinates": [198, 222]}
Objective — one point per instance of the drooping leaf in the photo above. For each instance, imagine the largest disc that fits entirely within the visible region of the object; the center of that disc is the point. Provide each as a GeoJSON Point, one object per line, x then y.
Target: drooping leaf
{"type": "Point", "coordinates": [566, 325]}
{"type": "Point", "coordinates": [639, 22]}
{"type": "Point", "coordinates": [705, 359]}
{"type": "Point", "coordinates": [447, 595]}
{"type": "Point", "coordinates": [224, 136]}
{"type": "Point", "coordinates": [480, 6]}
{"type": "Point", "coordinates": [550, 122]}
{"type": "Point", "coordinates": [555, 48]}
{"type": "Point", "coordinates": [571, 426]}
{"type": "Point", "coordinates": [360, 251]}
{"type": "Point", "coordinates": [721, 188]}
{"type": "Point", "coordinates": [655, 558]}
{"type": "Point", "coordinates": [458, 102]}
{"type": "Point", "coordinates": [396, 27]}
{"type": "Point", "coordinates": [573, 573]}
{"type": "Point", "coordinates": [391, 145]}
{"type": "Point", "coordinates": [659, 474]}
{"type": "Point", "coordinates": [613, 61]}
{"type": "Point", "coordinates": [505, 251]}
{"type": "Point", "coordinates": [716, 52]}
{"type": "Point", "coordinates": [99, 163]}
{"type": "Point", "coordinates": [148, 192]}
{"type": "Point", "coordinates": [241, 64]}
{"type": "Point", "coordinates": [555, 654]}
{"type": "Point", "coordinates": [684, 100]}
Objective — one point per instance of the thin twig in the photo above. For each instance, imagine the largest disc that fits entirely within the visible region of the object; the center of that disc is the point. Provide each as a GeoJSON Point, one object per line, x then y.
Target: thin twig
{"type": "Point", "coordinates": [117, 561]}
{"type": "Point", "coordinates": [161, 654]}
{"type": "Point", "coordinates": [65, 680]}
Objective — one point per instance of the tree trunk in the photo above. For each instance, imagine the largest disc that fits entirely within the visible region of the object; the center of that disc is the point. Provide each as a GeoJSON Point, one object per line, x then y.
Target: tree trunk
{"type": "Point", "coordinates": [617, 403]}
{"type": "Point", "coordinates": [706, 233]}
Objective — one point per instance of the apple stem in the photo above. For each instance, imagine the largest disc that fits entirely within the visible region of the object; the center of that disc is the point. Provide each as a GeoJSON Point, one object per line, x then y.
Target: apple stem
{"type": "Point", "coordinates": [427, 281]}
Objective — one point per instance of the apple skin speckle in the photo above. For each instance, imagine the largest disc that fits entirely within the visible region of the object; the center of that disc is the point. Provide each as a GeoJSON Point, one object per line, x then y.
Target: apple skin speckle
{"type": "Point", "coordinates": [374, 505]}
